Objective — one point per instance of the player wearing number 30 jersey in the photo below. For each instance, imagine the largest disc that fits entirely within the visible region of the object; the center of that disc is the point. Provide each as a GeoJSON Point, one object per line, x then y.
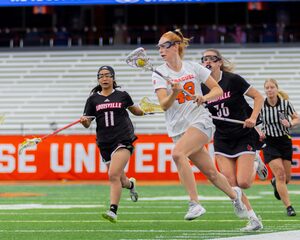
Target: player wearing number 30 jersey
{"type": "Point", "coordinates": [235, 144]}
{"type": "Point", "coordinates": [232, 104]}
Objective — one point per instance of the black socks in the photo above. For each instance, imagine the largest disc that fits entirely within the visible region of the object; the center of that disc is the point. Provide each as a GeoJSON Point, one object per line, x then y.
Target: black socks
{"type": "Point", "coordinates": [113, 208]}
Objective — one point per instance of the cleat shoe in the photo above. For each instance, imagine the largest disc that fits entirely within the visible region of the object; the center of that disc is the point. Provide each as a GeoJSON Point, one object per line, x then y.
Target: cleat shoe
{"type": "Point", "coordinates": [132, 192]}
{"type": "Point", "coordinates": [290, 211]}
{"type": "Point", "coordinates": [110, 216]}
{"type": "Point", "coordinates": [276, 194]}
{"type": "Point", "coordinates": [254, 224]}
{"type": "Point", "coordinates": [195, 210]}
{"type": "Point", "coordinates": [239, 207]}
{"type": "Point", "coordinates": [261, 170]}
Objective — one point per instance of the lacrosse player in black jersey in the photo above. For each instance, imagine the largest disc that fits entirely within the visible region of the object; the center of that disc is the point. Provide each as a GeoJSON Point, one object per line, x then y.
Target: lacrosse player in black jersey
{"type": "Point", "coordinates": [235, 144]}
{"type": "Point", "coordinates": [115, 134]}
{"type": "Point", "coordinates": [279, 116]}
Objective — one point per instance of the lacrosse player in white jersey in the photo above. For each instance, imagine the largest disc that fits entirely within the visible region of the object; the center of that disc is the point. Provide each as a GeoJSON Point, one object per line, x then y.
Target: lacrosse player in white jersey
{"type": "Point", "coordinates": [188, 122]}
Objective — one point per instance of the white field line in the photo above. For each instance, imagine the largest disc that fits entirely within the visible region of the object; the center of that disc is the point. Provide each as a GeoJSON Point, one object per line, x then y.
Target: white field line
{"type": "Point", "coordinates": [181, 198]}
{"type": "Point", "coordinates": [120, 213]}
{"type": "Point", "coordinates": [44, 206]}
{"type": "Point", "coordinates": [180, 234]}
{"type": "Point", "coordinates": [225, 205]}
{"type": "Point", "coordinates": [127, 203]}
{"type": "Point", "coordinates": [183, 234]}
{"type": "Point", "coordinates": [185, 231]}
{"type": "Point", "coordinates": [141, 221]}
{"type": "Point", "coordinates": [289, 235]}
{"type": "Point", "coordinates": [68, 206]}
{"type": "Point", "coordinates": [292, 192]}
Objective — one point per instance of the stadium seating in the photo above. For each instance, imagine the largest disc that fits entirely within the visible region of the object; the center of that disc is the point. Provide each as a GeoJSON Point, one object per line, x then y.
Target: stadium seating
{"type": "Point", "coordinates": [42, 90]}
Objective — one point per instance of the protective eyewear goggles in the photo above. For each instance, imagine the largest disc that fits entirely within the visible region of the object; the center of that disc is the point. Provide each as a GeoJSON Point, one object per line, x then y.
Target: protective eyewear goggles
{"type": "Point", "coordinates": [107, 75]}
{"type": "Point", "coordinates": [210, 58]}
{"type": "Point", "coordinates": [167, 44]}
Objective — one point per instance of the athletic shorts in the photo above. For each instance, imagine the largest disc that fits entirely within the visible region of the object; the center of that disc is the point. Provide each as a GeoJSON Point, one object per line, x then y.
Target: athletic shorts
{"type": "Point", "coordinates": [278, 147]}
{"type": "Point", "coordinates": [208, 129]}
{"type": "Point", "coordinates": [235, 147]}
{"type": "Point", "coordinates": [107, 151]}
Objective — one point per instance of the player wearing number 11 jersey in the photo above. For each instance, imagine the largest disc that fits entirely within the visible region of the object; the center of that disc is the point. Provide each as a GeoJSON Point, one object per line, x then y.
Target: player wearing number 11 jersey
{"type": "Point", "coordinates": [115, 134]}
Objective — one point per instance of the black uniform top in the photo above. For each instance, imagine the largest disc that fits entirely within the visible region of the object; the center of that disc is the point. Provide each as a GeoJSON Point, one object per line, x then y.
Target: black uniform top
{"type": "Point", "coordinates": [232, 104]}
{"type": "Point", "coordinates": [271, 117]}
{"type": "Point", "coordinates": [113, 122]}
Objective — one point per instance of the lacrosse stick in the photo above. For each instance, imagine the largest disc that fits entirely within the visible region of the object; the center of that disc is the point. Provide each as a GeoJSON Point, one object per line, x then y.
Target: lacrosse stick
{"type": "Point", "coordinates": [149, 107]}
{"type": "Point", "coordinates": [34, 141]}
{"type": "Point", "coordinates": [227, 119]}
{"type": "Point", "coordinates": [139, 59]}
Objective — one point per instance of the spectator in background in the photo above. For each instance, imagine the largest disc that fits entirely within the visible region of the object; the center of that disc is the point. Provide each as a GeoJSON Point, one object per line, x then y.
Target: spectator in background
{"type": "Point", "coordinates": [115, 134]}
{"type": "Point", "coordinates": [5, 37]}
{"type": "Point", "coordinates": [239, 35]}
{"type": "Point", "coordinates": [32, 37]}
{"type": "Point", "coordinates": [212, 34]}
{"type": "Point", "coordinates": [279, 116]}
{"type": "Point", "coordinates": [235, 144]}
{"type": "Point", "coordinates": [252, 34]}
{"type": "Point", "coordinates": [188, 122]}
{"type": "Point", "coordinates": [269, 33]}
{"type": "Point", "coordinates": [61, 36]}
{"type": "Point", "coordinates": [120, 33]}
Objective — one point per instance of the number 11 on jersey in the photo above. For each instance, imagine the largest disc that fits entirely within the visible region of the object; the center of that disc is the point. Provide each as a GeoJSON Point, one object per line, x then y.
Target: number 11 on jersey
{"type": "Point", "coordinates": [109, 119]}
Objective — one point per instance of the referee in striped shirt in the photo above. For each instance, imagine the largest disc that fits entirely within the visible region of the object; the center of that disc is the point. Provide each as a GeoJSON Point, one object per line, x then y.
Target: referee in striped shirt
{"type": "Point", "coordinates": [279, 116]}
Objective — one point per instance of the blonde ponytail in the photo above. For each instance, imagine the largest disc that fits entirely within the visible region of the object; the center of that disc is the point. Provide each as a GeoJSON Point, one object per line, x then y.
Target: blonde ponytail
{"type": "Point", "coordinates": [283, 95]}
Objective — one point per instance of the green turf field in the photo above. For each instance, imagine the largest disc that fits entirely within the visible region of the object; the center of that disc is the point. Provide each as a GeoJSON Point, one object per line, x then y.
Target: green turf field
{"type": "Point", "coordinates": [74, 212]}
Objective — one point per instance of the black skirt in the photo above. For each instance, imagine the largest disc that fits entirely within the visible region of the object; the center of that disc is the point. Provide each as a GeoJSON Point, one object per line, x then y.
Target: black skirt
{"type": "Point", "coordinates": [278, 147]}
{"type": "Point", "coordinates": [235, 147]}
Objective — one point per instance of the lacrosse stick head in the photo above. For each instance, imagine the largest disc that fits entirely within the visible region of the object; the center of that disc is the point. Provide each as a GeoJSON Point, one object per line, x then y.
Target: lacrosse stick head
{"type": "Point", "coordinates": [29, 143]}
{"type": "Point", "coordinates": [149, 107]}
{"type": "Point", "coordinates": [138, 59]}
{"type": "Point", "coordinates": [2, 118]}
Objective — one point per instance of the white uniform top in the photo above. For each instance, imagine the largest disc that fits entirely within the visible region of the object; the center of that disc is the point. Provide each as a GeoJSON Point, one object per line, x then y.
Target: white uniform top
{"type": "Point", "coordinates": [182, 115]}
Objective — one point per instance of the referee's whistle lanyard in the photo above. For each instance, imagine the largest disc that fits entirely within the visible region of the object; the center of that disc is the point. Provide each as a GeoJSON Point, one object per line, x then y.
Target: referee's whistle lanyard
{"type": "Point", "coordinates": [282, 115]}
{"type": "Point", "coordinates": [288, 135]}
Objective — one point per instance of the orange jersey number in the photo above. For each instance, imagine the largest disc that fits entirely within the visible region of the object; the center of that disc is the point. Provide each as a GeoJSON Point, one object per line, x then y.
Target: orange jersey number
{"type": "Point", "coordinates": [182, 97]}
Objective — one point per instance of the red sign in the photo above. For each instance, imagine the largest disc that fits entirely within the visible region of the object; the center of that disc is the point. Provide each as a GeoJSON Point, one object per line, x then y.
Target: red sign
{"type": "Point", "coordinates": [76, 157]}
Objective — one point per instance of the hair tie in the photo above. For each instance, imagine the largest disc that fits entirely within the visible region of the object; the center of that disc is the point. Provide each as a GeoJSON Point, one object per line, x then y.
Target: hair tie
{"type": "Point", "coordinates": [178, 34]}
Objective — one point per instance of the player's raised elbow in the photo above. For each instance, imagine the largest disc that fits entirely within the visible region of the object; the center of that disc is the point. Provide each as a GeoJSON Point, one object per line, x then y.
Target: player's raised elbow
{"type": "Point", "coordinates": [217, 91]}
{"type": "Point", "coordinates": [220, 91]}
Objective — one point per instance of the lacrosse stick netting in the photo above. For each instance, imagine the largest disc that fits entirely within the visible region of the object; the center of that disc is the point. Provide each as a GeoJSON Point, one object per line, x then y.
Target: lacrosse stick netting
{"type": "Point", "coordinates": [34, 141]}
{"type": "Point", "coordinates": [149, 107]}
{"type": "Point", "coordinates": [2, 118]}
{"type": "Point", "coordinates": [138, 59]}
